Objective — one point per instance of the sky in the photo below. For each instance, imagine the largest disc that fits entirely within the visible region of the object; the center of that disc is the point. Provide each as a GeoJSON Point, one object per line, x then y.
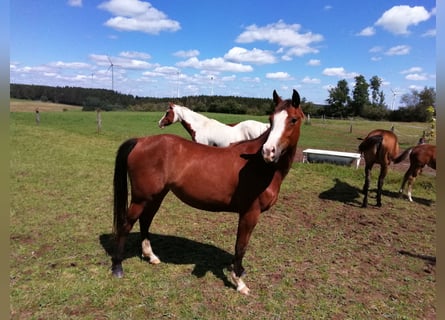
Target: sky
{"type": "Point", "coordinates": [241, 48]}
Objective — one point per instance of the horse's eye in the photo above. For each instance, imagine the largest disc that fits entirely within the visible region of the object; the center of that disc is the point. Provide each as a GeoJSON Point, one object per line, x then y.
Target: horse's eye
{"type": "Point", "coordinates": [293, 120]}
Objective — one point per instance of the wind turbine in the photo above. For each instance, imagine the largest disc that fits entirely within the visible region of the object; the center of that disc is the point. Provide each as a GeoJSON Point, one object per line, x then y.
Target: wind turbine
{"type": "Point", "coordinates": [112, 73]}
{"type": "Point", "coordinates": [394, 93]}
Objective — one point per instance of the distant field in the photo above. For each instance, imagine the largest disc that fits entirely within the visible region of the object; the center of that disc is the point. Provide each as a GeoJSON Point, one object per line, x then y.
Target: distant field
{"type": "Point", "coordinates": [17, 105]}
{"type": "Point", "coordinates": [315, 255]}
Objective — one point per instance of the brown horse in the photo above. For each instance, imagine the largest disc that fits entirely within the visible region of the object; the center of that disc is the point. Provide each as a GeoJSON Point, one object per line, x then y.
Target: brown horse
{"type": "Point", "coordinates": [379, 147]}
{"type": "Point", "coordinates": [419, 157]}
{"type": "Point", "coordinates": [244, 177]}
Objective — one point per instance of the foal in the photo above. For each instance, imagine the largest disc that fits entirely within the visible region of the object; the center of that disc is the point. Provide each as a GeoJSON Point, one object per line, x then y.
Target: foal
{"type": "Point", "coordinates": [419, 156]}
{"type": "Point", "coordinates": [244, 177]}
{"type": "Point", "coordinates": [379, 147]}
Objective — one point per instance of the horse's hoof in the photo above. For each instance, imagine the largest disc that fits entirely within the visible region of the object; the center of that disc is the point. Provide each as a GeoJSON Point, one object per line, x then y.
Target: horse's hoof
{"type": "Point", "coordinates": [117, 271]}
{"type": "Point", "coordinates": [155, 260]}
{"type": "Point", "coordinates": [245, 291]}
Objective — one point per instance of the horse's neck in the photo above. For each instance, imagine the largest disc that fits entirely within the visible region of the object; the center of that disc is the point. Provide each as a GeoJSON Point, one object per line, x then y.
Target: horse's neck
{"type": "Point", "coordinates": [286, 160]}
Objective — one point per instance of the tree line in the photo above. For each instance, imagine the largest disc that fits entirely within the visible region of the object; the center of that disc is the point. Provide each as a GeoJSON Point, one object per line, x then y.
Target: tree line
{"type": "Point", "coordinates": [366, 100]}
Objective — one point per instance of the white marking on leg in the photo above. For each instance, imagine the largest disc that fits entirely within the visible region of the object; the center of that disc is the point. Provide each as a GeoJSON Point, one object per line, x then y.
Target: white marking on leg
{"type": "Point", "coordinates": [147, 252]}
{"type": "Point", "coordinates": [240, 285]}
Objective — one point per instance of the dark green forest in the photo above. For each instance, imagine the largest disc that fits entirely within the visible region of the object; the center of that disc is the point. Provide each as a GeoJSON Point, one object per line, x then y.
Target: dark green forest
{"type": "Point", "coordinates": [341, 104]}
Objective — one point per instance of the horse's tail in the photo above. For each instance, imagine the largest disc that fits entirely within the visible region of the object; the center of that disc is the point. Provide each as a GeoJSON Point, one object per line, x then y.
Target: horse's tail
{"type": "Point", "coordinates": [370, 142]}
{"type": "Point", "coordinates": [403, 155]}
{"type": "Point", "coordinates": [120, 184]}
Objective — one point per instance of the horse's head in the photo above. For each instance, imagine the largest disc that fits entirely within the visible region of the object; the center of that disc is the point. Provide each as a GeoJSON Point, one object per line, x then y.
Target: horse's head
{"type": "Point", "coordinates": [169, 117]}
{"type": "Point", "coordinates": [285, 124]}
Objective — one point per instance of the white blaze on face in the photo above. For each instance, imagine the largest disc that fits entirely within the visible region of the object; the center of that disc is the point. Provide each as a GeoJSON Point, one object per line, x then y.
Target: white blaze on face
{"type": "Point", "coordinates": [271, 148]}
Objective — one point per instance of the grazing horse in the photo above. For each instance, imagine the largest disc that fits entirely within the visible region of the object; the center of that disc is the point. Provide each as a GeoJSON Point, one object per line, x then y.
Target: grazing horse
{"type": "Point", "coordinates": [381, 147]}
{"type": "Point", "coordinates": [244, 177]}
{"type": "Point", "coordinates": [419, 156]}
{"type": "Point", "coordinates": [210, 131]}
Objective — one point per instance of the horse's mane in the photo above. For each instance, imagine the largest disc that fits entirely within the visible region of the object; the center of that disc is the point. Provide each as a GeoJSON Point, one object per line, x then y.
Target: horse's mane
{"type": "Point", "coordinates": [196, 114]}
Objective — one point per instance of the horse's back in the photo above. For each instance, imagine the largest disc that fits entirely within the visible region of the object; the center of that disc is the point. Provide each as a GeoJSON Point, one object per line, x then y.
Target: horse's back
{"type": "Point", "coordinates": [385, 143]}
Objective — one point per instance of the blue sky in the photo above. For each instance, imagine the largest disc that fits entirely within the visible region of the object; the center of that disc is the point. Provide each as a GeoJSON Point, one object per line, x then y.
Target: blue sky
{"type": "Point", "coordinates": [244, 48]}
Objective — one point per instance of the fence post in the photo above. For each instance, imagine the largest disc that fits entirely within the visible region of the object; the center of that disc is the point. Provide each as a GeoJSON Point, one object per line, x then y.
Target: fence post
{"type": "Point", "coordinates": [98, 120]}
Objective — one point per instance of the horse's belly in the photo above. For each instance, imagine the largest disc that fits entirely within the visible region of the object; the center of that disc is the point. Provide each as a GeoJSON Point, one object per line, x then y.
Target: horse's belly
{"type": "Point", "coordinates": [204, 198]}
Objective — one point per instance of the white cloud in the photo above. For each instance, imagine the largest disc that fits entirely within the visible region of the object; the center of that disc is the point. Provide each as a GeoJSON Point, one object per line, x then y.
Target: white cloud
{"type": "Point", "coordinates": [376, 49]}
{"type": "Point", "coordinates": [398, 50]}
{"type": "Point", "coordinates": [314, 62]}
{"type": "Point", "coordinates": [339, 72]}
{"type": "Point", "coordinates": [214, 64]}
{"type": "Point", "coordinates": [251, 79]}
{"type": "Point", "coordinates": [310, 80]}
{"type": "Point", "coordinates": [255, 55]}
{"type": "Point", "coordinates": [186, 53]}
{"type": "Point", "coordinates": [136, 15]}
{"type": "Point", "coordinates": [411, 70]}
{"type": "Point", "coordinates": [69, 65]}
{"type": "Point", "coordinates": [367, 32]}
{"type": "Point", "coordinates": [120, 62]}
{"type": "Point", "coordinates": [398, 19]}
{"type": "Point", "coordinates": [429, 33]}
{"type": "Point", "coordinates": [282, 34]}
{"type": "Point", "coordinates": [279, 76]}
{"type": "Point", "coordinates": [416, 77]}
{"type": "Point", "coordinates": [135, 54]}
{"type": "Point", "coordinates": [75, 3]}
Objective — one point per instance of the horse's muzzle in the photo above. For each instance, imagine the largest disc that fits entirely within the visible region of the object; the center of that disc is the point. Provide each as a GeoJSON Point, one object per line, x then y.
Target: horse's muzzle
{"type": "Point", "coordinates": [269, 154]}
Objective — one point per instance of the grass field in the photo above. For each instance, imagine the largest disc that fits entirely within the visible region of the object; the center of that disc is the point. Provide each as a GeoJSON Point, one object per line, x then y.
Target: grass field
{"type": "Point", "coordinates": [315, 255]}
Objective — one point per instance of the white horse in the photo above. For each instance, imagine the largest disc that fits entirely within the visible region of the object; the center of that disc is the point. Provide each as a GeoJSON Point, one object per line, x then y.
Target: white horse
{"type": "Point", "coordinates": [210, 131]}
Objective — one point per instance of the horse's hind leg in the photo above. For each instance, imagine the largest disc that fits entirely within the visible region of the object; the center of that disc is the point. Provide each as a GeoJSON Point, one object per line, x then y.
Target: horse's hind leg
{"type": "Point", "coordinates": [411, 180]}
{"type": "Point", "coordinates": [406, 178]}
{"type": "Point", "coordinates": [368, 169]}
{"type": "Point", "coordinates": [145, 220]}
{"type": "Point", "coordinates": [133, 213]}
{"type": "Point", "coordinates": [382, 175]}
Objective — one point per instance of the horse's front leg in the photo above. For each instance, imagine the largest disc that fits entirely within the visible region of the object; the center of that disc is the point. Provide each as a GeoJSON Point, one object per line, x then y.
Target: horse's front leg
{"type": "Point", "coordinates": [246, 224]}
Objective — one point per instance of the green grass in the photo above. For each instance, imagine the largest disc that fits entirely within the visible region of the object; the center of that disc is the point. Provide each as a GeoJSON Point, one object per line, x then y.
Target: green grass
{"type": "Point", "coordinates": [315, 255]}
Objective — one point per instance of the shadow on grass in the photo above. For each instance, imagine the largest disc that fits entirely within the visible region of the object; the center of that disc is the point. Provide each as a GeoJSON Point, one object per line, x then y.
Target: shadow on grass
{"type": "Point", "coordinates": [177, 250]}
{"type": "Point", "coordinates": [342, 192]}
{"type": "Point", "coordinates": [428, 259]}
{"type": "Point", "coordinates": [393, 194]}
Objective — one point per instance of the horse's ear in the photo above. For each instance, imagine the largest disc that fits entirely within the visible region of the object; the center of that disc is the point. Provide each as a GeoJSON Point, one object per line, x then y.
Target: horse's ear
{"type": "Point", "coordinates": [171, 104]}
{"type": "Point", "coordinates": [276, 98]}
{"type": "Point", "coordinates": [295, 99]}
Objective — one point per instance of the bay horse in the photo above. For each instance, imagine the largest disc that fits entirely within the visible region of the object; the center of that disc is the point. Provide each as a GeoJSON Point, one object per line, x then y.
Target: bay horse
{"type": "Point", "coordinates": [379, 147]}
{"type": "Point", "coordinates": [244, 178]}
{"type": "Point", "coordinates": [210, 131]}
{"type": "Point", "coordinates": [419, 156]}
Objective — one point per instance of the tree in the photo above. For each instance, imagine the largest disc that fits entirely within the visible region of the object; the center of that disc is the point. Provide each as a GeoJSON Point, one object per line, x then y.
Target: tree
{"type": "Point", "coordinates": [377, 109]}
{"type": "Point", "coordinates": [360, 96]}
{"type": "Point", "coordinates": [377, 96]}
{"type": "Point", "coordinates": [418, 106]}
{"type": "Point", "coordinates": [339, 100]}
